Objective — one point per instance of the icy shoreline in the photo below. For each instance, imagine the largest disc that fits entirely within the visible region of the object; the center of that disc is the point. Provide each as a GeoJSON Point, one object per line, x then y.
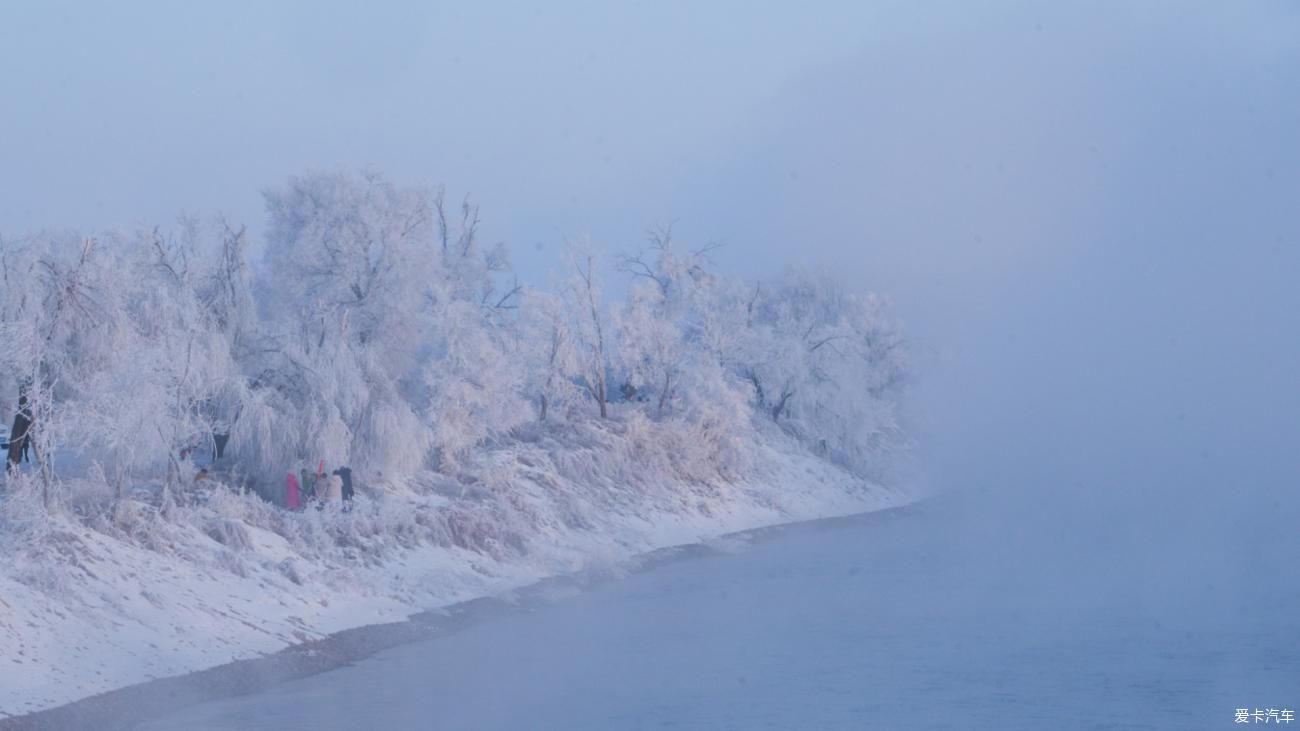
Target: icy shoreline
{"type": "Point", "coordinates": [125, 707]}
{"type": "Point", "coordinates": [88, 608]}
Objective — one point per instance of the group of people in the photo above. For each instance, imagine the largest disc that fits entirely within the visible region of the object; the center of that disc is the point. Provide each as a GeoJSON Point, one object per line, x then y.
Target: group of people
{"type": "Point", "coordinates": [322, 488]}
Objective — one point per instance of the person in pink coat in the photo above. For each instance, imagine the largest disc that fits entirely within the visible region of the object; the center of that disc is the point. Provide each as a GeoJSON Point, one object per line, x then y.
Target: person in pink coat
{"type": "Point", "coordinates": [291, 491]}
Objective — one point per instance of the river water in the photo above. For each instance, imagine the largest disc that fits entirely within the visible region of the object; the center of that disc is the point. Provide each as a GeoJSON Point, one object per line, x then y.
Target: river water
{"type": "Point", "coordinates": [939, 618]}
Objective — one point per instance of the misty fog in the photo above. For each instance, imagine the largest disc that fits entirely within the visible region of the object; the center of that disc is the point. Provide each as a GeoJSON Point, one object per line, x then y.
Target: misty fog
{"type": "Point", "coordinates": [1086, 215]}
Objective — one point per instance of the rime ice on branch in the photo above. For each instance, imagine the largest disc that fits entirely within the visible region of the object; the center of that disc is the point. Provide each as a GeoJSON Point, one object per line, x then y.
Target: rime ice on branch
{"type": "Point", "coordinates": [381, 333]}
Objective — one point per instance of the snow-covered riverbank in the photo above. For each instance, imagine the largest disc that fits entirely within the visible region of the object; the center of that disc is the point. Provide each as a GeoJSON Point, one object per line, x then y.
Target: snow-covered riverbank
{"type": "Point", "coordinates": [497, 433]}
{"type": "Point", "coordinates": [89, 605]}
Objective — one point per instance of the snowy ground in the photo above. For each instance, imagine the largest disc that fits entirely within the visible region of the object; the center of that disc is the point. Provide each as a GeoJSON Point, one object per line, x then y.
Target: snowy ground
{"type": "Point", "coordinates": [87, 606]}
{"type": "Point", "coordinates": [914, 622]}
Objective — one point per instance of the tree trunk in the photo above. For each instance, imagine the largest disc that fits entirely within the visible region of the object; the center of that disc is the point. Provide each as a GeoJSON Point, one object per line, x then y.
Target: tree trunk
{"type": "Point", "coordinates": [167, 505]}
{"type": "Point", "coordinates": [18, 437]}
{"type": "Point", "coordinates": [600, 336]}
{"type": "Point", "coordinates": [47, 475]}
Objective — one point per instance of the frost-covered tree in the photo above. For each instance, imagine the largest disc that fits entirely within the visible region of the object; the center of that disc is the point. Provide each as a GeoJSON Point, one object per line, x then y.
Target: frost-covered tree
{"type": "Point", "coordinates": [60, 325]}
{"type": "Point", "coordinates": [652, 349]}
{"type": "Point", "coordinates": [349, 257]}
{"type": "Point", "coordinates": [582, 298]}
{"type": "Point", "coordinates": [174, 383]}
{"type": "Point", "coordinates": [379, 332]}
{"type": "Point", "coordinates": [474, 374]}
{"type": "Point", "coordinates": [660, 325]}
{"type": "Point", "coordinates": [827, 364]}
{"type": "Point", "coordinates": [474, 379]}
{"type": "Point", "coordinates": [395, 338]}
{"type": "Point", "coordinates": [551, 357]}
{"type": "Point", "coordinates": [226, 284]}
{"type": "Point", "coordinates": [349, 263]}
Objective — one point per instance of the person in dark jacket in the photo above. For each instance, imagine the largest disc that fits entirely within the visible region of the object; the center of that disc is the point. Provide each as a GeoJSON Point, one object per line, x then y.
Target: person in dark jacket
{"type": "Point", "coordinates": [308, 486]}
{"type": "Point", "coordinates": [219, 441]}
{"type": "Point", "coordinates": [19, 436]}
{"type": "Point", "coordinates": [345, 473]}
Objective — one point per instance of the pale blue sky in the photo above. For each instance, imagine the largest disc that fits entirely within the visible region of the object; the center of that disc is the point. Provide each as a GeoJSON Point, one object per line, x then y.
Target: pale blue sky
{"type": "Point", "coordinates": [549, 114]}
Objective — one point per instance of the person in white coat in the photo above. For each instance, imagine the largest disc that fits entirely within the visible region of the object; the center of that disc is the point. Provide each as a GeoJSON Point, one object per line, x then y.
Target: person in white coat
{"type": "Point", "coordinates": [334, 490]}
{"type": "Point", "coordinates": [321, 483]}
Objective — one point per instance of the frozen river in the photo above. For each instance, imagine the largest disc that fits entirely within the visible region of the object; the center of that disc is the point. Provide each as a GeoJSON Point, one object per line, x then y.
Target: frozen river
{"type": "Point", "coordinates": [933, 619]}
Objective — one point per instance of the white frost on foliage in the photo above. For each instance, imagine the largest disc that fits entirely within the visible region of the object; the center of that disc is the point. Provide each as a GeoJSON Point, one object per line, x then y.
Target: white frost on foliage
{"type": "Point", "coordinates": [497, 434]}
